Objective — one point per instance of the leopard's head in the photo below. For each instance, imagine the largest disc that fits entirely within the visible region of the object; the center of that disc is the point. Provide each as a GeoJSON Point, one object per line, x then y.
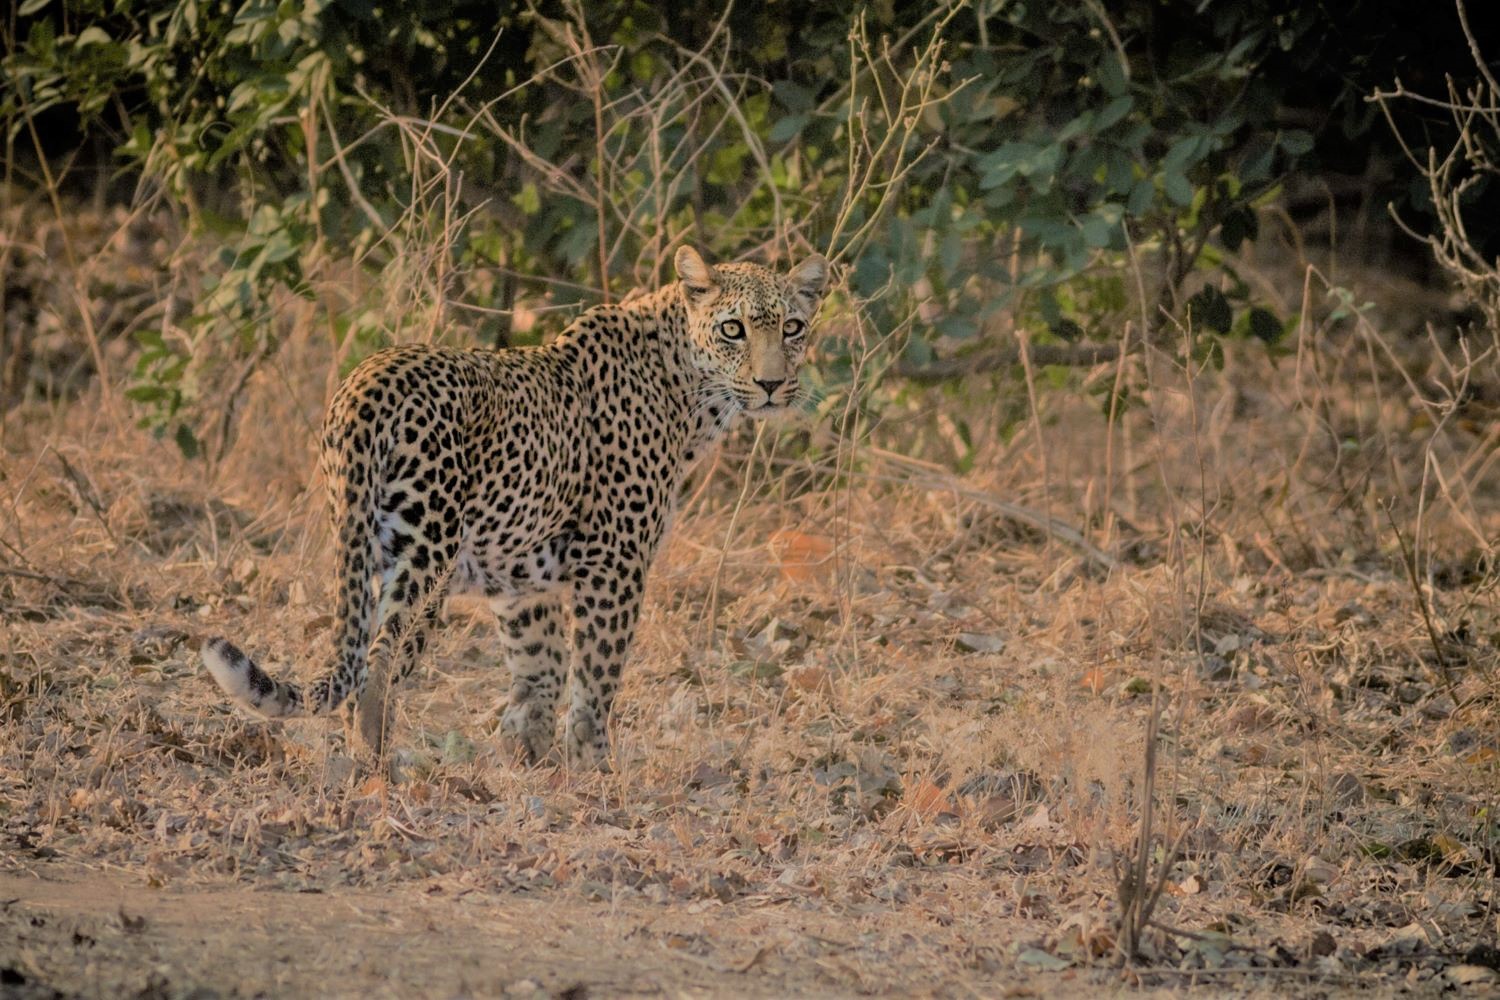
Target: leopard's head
{"type": "Point", "coordinates": [750, 327]}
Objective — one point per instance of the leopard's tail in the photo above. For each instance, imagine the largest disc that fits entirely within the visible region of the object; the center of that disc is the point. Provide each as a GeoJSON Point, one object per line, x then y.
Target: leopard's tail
{"type": "Point", "coordinates": [350, 463]}
{"type": "Point", "coordinates": [248, 685]}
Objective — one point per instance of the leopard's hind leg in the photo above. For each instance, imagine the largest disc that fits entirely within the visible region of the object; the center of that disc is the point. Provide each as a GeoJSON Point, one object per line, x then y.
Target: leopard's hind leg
{"type": "Point", "coordinates": [406, 632]}
{"type": "Point", "coordinates": [419, 539]}
{"type": "Point", "coordinates": [534, 641]}
{"type": "Point", "coordinates": [606, 607]}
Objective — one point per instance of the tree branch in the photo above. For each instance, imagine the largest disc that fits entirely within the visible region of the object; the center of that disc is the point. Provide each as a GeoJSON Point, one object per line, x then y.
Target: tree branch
{"type": "Point", "coordinates": [1071, 355]}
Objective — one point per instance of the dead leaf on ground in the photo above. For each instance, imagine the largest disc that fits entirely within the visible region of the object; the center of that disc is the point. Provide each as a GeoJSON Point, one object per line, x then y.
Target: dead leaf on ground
{"type": "Point", "coordinates": [810, 678]}
{"type": "Point", "coordinates": [801, 558]}
{"type": "Point", "coordinates": [925, 799]}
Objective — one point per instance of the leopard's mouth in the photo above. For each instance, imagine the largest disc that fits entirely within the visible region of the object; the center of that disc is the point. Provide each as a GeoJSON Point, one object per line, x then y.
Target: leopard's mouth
{"type": "Point", "coordinates": [763, 404]}
{"type": "Point", "coordinates": [765, 409]}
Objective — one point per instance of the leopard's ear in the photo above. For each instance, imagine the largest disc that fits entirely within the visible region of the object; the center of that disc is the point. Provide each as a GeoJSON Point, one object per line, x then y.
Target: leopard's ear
{"type": "Point", "coordinates": [697, 276]}
{"type": "Point", "coordinates": [809, 279]}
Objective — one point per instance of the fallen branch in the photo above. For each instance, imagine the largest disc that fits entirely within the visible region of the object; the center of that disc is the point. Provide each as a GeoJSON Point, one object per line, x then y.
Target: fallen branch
{"type": "Point", "coordinates": [931, 478]}
{"type": "Point", "coordinates": [1036, 519]}
{"type": "Point", "coordinates": [1070, 355]}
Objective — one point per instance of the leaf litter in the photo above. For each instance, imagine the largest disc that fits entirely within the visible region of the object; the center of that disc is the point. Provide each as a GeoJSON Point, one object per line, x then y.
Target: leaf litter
{"type": "Point", "coordinates": [859, 753]}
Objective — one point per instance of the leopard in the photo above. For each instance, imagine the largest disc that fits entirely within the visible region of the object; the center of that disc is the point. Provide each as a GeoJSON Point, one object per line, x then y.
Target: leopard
{"type": "Point", "coordinates": [542, 479]}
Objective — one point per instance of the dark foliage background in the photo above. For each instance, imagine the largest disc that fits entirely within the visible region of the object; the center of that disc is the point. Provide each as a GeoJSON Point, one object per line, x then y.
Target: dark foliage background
{"type": "Point", "coordinates": [1057, 168]}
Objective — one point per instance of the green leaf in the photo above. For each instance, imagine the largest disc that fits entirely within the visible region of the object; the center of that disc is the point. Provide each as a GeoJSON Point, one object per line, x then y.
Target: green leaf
{"type": "Point", "coordinates": [528, 200]}
{"type": "Point", "coordinates": [1119, 172]}
{"type": "Point", "coordinates": [1098, 232]}
{"type": "Point", "coordinates": [1142, 197]}
{"type": "Point", "coordinates": [278, 248]}
{"type": "Point", "coordinates": [788, 128]}
{"type": "Point", "coordinates": [1076, 127]}
{"type": "Point", "coordinates": [1067, 330]}
{"type": "Point", "coordinates": [1239, 225]}
{"type": "Point", "coordinates": [950, 251]}
{"type": "Point", "coordinates": [957, 326]}
{"type": "Point", "coordinates": [1004, 163]}
{"type": "Point", "coordinates": [1041, 168]}
{"type": "Point", "coordinates": [1101, 225]}
{"type": "Point", "coordinates": [1112, 76]}
{"type": "Point", "coordinates": [92, 35]}
{"type": "Point", "coordinates": [146, 393]}
{"type": "Point", "coordinates": [458, 748]}
{"type": "Point", "coordinates": [1210, 309]}
{"type": "Point", "coordinates": [793, 96]}
{"type": "Point", "coordinates": [187, 442]}
{"type": "Point", "coordinates": [1178, 188]}
{"type": "Point", "coordinates": [1184, 153]}
{"type": "Point", "coordinates": [577, 243]}
{"type": "Point", "coordinates": [1113, 112]}
{"type": "Point", "coordinates": [1265, 326]}
{"type": "Point", "coordinates": [1296, 142]}
{"type": "Point", "coordinates": [31, 7]}
{"type": "Point", "coordinates": [1258, 160]}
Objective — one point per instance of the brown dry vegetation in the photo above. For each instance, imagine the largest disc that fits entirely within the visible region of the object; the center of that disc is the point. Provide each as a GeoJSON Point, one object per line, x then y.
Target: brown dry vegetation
{"type": "Point", "coordinates": [884, 731]}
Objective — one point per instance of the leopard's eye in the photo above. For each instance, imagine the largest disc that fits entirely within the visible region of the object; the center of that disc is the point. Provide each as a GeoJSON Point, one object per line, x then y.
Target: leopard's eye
{"type": "Point", "coordinates": [732, 330]}
{"type": "Point", "coordinates": [793, 328]}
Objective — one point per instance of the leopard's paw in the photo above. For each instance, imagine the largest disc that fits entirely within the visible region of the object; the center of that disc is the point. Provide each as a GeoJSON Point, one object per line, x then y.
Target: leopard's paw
{"type": "Point", "coordinates": [527, 731]}
{"type": "Point", "coordinates": [587, 743]}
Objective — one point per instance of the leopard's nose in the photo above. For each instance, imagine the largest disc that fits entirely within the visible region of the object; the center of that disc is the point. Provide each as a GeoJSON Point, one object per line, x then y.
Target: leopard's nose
{"type": "Point", "coordinates": [769, 384]}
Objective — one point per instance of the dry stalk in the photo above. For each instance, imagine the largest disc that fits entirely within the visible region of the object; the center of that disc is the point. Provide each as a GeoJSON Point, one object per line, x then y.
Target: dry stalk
{"type": "Point", "coordinates": [1414, 577]}
{"type": "Point", "coordinates": [52, 184]}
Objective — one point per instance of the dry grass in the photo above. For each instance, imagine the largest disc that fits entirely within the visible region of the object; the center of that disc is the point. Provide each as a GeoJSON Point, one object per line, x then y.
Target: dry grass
{"type": "Point", "coordinates": [881, 732]}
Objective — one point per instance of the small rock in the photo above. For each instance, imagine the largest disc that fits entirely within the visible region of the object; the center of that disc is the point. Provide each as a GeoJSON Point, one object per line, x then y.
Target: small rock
{"type": "Point", "coordinates": [596, 892]}
{"type": "Point", "coordinates": [1354, 612]}
{"type": "Point", "coordinates": [1228, 644]}
{"type": "Point", "coordinates": [1215, 668]}
{"type": "Point", "coordinates": [1036, 958]}
{"type": "Point", "coordinates": [1439, 708]}
{"type": "Point", "coordinates": [705, 775]}
{"type": "Point", "coordinates": [340, 770]}
{"type": "Point", "coordinates": [1463, 741]}
{"type": "Point", "coordinates": [1471, 975]}
{"type": "Point", "coordinates": [1410, 694]}
{"type": "Point", "coordinates": [1485, 955]}
{"type": "Point", "coordinates": [1345, 789]}
{"type": "Point", "coordinates": [1318, 871]}
{"type": "Point", "coordinates": [1408, 940]}
{"type": "Point", "coordinates": [976, 642]}
{"type": "Point", "coordinates": [1322, 944]}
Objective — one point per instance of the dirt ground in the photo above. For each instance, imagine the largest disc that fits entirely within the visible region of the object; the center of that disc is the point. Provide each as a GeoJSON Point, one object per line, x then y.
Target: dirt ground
{"type": "Point", "coordinates": [938, 799]}
{"type": "Point", "coordinates": [83, 932]}
{"type": "Point", "coordinates": [76, 932]}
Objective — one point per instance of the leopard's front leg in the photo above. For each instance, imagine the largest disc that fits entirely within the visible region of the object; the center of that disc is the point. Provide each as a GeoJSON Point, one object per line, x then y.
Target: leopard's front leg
{"type": "Point", "coordinates": [606, 607]}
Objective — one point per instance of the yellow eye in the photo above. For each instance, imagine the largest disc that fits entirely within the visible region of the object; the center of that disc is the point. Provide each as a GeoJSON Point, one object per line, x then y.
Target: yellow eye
{"type": "Point", "coordinates": [793, 328]}
{"type": "Point", "coordinates": [732, 330]}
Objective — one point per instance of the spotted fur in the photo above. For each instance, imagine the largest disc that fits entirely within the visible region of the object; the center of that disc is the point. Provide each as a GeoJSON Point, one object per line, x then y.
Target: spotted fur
{"type": "Point", "coordinates": [542, 478]}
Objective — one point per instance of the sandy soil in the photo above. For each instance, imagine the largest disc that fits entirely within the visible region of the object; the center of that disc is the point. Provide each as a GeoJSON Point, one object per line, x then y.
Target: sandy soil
{"type": "Point", "coordinates": [75, 932]}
